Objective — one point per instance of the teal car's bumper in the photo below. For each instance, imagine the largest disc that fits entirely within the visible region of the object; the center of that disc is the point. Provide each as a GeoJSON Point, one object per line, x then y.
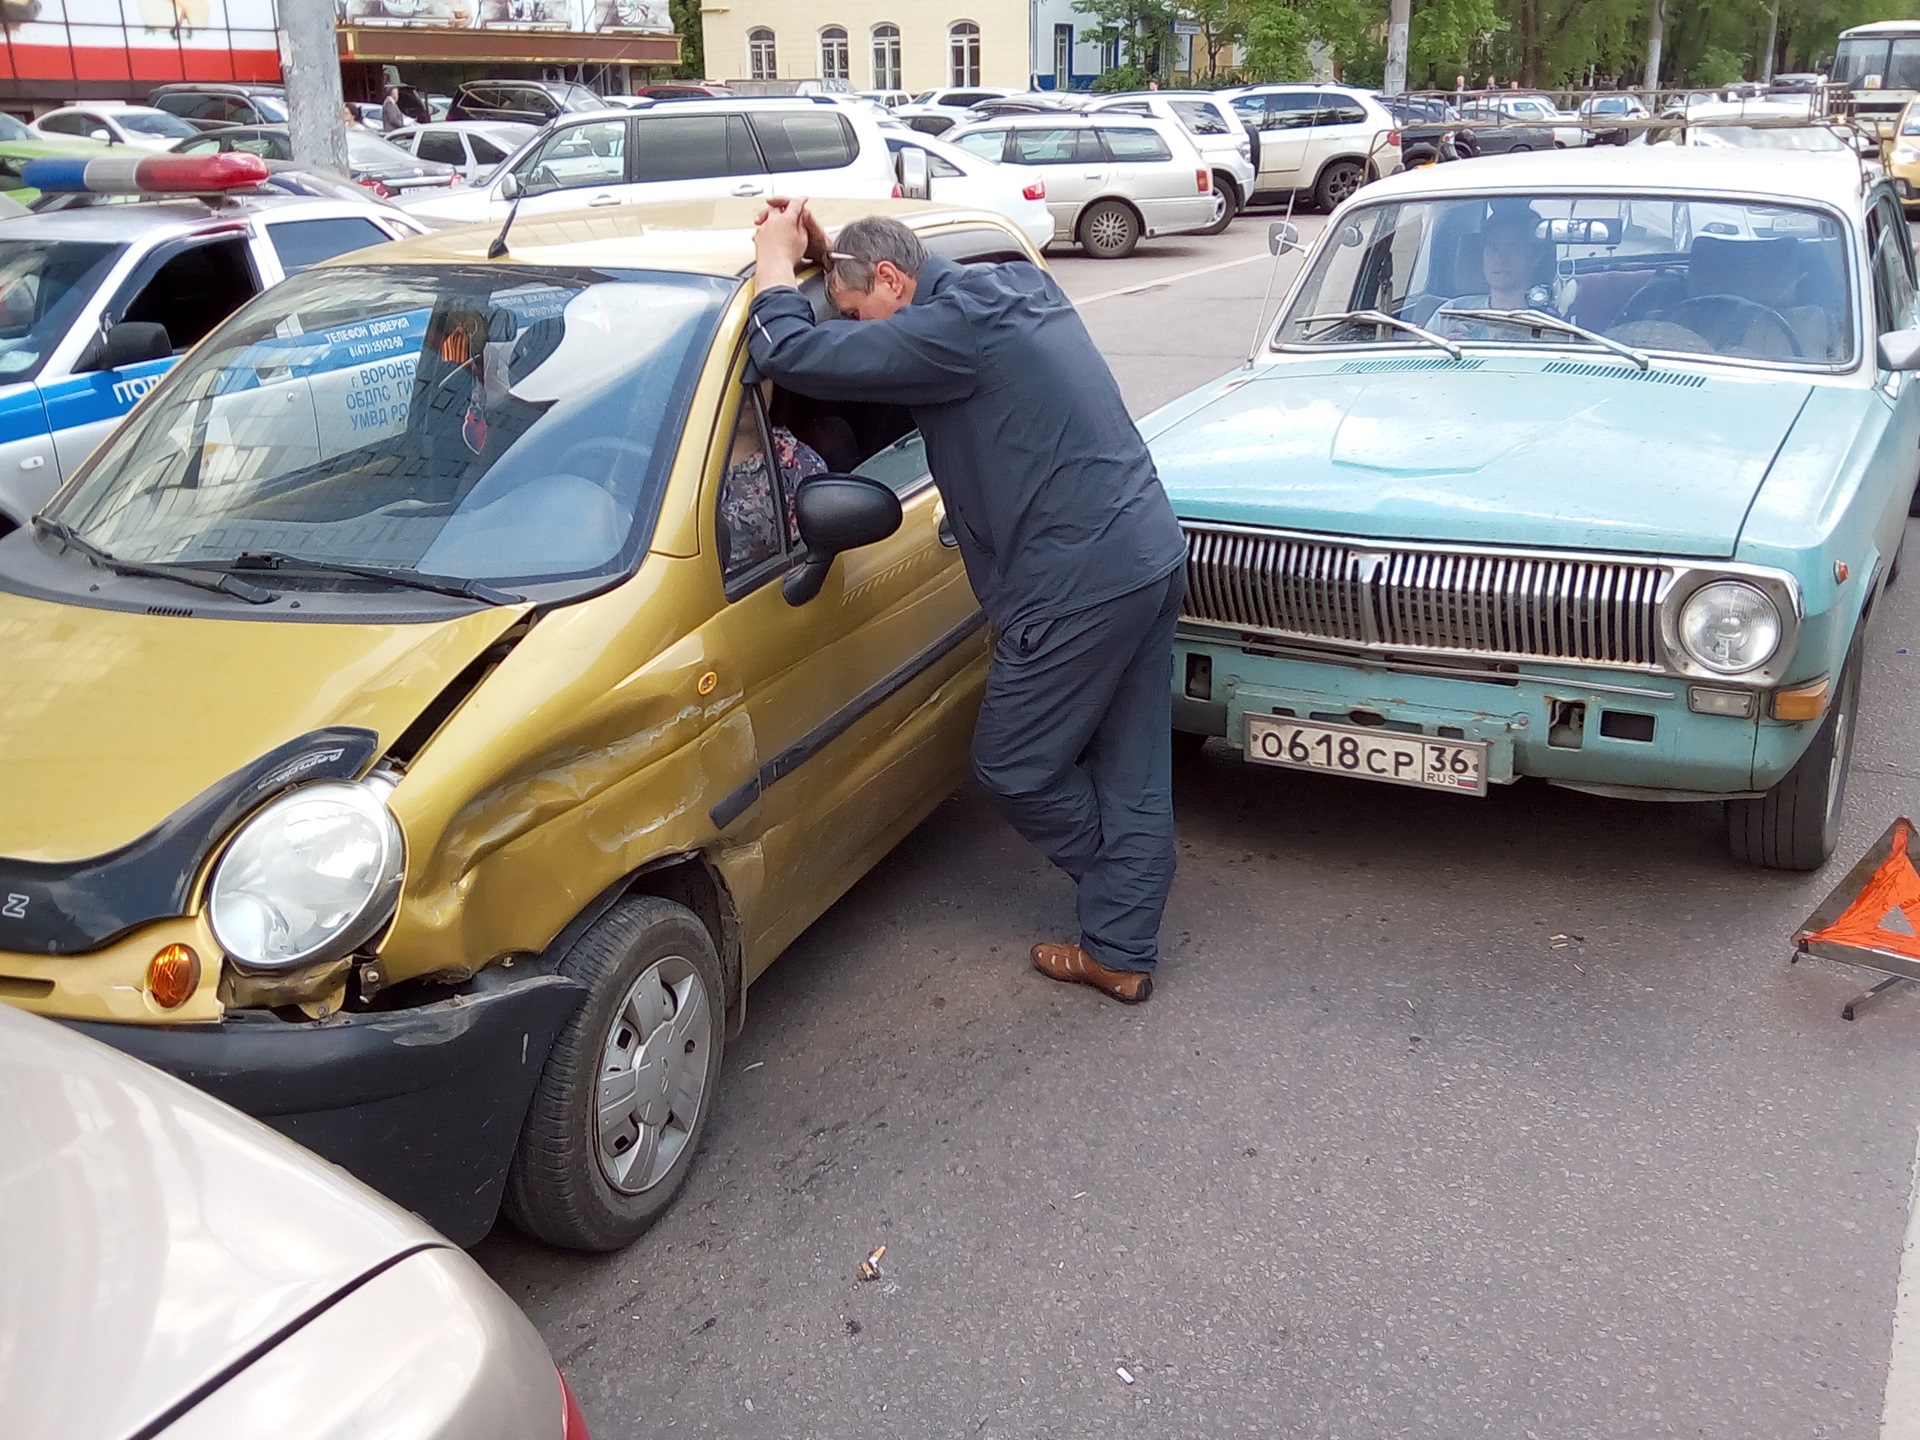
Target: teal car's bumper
{"type": "Point", "coordinates": [1626, 733]}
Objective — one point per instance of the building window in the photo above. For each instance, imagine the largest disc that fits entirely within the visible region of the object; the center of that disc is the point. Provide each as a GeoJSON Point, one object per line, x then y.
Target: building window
{"type": "Point", "coordinates": [761, 64]}
{"type": "Point", "coordinates": [833, 54]}
{"type": "Point", "coordinates": [886, 57]}
{"type": "Point", "coordinates": [963, 53]}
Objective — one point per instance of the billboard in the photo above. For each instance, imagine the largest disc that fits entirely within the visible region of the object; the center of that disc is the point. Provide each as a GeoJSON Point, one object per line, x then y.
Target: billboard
{"type": "Point", "coordinates": [67, 48]}
{"type": "Point", "coordinates": [586, 16]}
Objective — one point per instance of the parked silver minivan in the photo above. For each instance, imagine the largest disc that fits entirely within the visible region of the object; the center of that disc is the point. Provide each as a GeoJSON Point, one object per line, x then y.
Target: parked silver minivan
{"type": "Point", "coordinates": [1111, 181]}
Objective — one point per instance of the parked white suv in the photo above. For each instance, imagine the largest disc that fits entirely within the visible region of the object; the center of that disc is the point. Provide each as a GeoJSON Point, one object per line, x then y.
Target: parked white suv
{"type": "Point", "coordinates": [1110, 179]}
{"type": "Point", "coordinates": [1325, 141]}
{"type": "Point", "coordinates": [1214, 129]}
{"type": "Point", "coordinates": [684, 150]}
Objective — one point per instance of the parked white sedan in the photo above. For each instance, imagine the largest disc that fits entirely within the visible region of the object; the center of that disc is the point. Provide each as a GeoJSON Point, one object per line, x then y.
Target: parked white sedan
{"type": "Point", "coordinates": [177, 1270]}
{"type": "Point", "coordinates": [117, 122]}
{"type": "Point", "coordinates": [476, 147]}
{"type": "Point", "coordinates": [959, 177]}
{"type": "Point", "coordinates": [1111, 180]}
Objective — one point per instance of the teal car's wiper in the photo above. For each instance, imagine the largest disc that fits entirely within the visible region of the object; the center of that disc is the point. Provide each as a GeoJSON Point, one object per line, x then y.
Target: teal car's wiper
{"type": "Point", "coordinates": [393, 575]}
{"type": "Point", "coordinates": [1540, 320]}
{"type": "Point", "coordinates": [1380, 317]}
{"type": "Point", "coordinates": [223, 584]}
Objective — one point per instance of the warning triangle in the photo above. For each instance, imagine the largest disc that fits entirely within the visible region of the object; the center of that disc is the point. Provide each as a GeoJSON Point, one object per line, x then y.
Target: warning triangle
{"type": "Point", "coordinates": [1885, 906]}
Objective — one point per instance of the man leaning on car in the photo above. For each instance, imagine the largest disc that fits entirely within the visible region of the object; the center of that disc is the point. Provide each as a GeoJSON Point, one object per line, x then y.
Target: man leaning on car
{"type": "Point", "coordinates": [1069, 543]}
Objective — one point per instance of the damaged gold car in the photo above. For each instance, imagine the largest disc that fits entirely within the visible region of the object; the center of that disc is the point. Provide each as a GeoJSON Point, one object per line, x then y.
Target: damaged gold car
{"type": "Point", "coordinates": [442, 697]}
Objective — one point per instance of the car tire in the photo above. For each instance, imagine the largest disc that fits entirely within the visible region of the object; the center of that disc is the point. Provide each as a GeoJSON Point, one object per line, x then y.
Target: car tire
{"type": "Point", "coordinates": [1796, 824]}
{"type": "Point", "coordinates": [1340, 179]}
{"type": "Point", "coordinates": [1109, 230]}
{"type": "Point", "coordinates": [1226, 202]}
{"type": "Point", "coordinates": [1521, 150]}
{"type": "Point", "coordinates": [587, 1175]}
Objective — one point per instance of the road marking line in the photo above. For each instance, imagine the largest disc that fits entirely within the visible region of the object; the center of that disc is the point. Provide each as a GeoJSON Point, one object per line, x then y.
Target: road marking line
{"type": "Point", "coordinates": [1900, 1413]}
{"type": "Point", "coordinates": [1173, 279]}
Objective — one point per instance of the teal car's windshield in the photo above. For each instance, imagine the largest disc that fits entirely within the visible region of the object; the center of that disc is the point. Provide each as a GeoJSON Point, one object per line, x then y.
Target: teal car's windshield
{"type": "Point", "coordinates": [510, 426]}
{"type": "Point", "coordinates": [1682, 275]}
{"type": "Point", "coordinates": [43, 285]}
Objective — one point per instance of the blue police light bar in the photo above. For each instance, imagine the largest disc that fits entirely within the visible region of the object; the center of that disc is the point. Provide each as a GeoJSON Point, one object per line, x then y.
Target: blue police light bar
{"type": "Point", "coordinates": [146, 174]}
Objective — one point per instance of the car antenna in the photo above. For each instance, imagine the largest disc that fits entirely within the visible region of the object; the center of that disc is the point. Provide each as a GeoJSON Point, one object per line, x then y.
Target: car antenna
{"type": "Point", "coordinates": [1273, 241]}
{"type": "Point", "coordinates": [499, 245]}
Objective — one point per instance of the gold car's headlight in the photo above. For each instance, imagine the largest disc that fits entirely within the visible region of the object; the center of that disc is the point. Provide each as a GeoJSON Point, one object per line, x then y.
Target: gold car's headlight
{"type": "Point", "coordinates": [308, 878]}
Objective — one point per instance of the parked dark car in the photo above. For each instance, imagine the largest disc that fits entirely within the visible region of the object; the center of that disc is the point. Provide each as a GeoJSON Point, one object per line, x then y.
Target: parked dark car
{"type": "Point", "coordinates": [684, 90]}
{"type": "Point", "coordinates": [1496, 134]}
{"type": "Point", "coordinates": [210, 105]}
{"type": "Point", "coordinates": [526, 102]}
{"type": "Point", "coordinates": [377, 164]}
{"type": "Point", "coordinates": [1424, 121]}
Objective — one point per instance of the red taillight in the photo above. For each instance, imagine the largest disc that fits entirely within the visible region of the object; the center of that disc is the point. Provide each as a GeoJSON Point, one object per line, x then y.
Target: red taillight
{"type": "Point", "coordinates": [573, 1425]}
{"type": "Point", "coordinates": [376, 187]}
{"type": "Point", "coordinates": [898, 193]}
{"type": "Point", "coordinates": [1393, 138]}
{"type": "Point", "coordinates": [1204, 180]}
{"type": "Point", "coordinates": [1036, 191]}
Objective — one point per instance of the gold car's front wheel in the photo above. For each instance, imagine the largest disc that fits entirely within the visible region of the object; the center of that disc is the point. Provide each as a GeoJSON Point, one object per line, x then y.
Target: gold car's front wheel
{"type": "Point", "coordinates": [625, 1093]}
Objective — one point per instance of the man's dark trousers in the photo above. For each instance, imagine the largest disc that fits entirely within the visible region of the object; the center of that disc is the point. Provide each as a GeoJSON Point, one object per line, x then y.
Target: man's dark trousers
{"type": "Point", "coordinates": [1074, 744]}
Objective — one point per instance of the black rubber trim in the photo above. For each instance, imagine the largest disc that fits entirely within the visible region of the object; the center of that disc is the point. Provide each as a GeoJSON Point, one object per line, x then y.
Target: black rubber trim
{"type": "Point", "coordinates": [739, 801]}
{"type": "Point", "coordinates": [213, 1382]}
{"type": "Point", "coordinates": [72, 906]}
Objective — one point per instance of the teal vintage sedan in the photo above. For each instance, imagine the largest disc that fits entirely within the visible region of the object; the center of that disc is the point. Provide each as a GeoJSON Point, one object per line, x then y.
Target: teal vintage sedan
{"type": "Point", "coordinates": [1588, 467]}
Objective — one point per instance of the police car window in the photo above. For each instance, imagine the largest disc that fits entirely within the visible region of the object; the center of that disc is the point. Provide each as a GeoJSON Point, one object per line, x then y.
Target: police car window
{"type": "Point", "coordinates": [195, 290]}
{"type": "Point", "coordinates": [43, 286]}
{"type": "Point", "coordinates": [693, 147]}
{"type": "Point", "coordinates": [815, 140]}
{"type": "Point", "coordinates": [442, 146]}
{"type": "Point", "coordinates": [580, 155]}
{"type": "Point", "coordinates": [1134, 145]}
{"type": "Point", "coordinates": [509, 425]}
{"type": "Point", "coordinates": [300, 243]}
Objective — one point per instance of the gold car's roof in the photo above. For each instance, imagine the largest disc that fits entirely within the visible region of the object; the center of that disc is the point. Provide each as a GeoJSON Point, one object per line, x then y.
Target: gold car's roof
{"type": "Point", "coordinates": [704, 237]}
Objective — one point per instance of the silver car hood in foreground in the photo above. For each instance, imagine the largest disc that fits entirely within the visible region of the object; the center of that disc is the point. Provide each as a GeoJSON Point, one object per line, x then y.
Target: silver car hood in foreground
{"type": "Point", "coordinates": [151, 1237]}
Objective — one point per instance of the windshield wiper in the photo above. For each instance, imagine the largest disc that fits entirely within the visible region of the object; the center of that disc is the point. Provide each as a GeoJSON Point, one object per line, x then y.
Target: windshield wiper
{"type": "Point", "coordinates": [1540, 320]}
{"type": "Point", "coordinates": [223, 584]}
{"type": "Point", "coordinates": [1380, 317]}
{"type": "Point", "coordinates": [412, 579]}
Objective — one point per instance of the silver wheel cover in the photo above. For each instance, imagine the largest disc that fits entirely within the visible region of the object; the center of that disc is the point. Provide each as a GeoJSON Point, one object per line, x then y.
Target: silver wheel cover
{"type": "Point", "coordinates": [653, 1075]}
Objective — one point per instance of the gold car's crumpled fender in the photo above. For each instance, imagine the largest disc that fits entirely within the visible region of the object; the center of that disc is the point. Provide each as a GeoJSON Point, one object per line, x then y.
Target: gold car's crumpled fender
{"type": "Point", "coordinates": [110, 721]}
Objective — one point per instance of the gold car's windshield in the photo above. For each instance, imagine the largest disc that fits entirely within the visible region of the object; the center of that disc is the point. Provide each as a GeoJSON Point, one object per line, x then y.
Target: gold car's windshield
{"type": "Point", "coordinates": [1687, 275]}
{"type": "Point", "coordinates": [498, 425]}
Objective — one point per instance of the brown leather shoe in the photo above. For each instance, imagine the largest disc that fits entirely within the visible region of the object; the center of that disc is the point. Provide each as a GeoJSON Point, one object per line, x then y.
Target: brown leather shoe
{"type": "Point", "coordinates": [1073, 965]}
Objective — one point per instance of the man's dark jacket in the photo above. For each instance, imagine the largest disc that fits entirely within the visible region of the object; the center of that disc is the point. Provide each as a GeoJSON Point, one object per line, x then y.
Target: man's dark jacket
{"type": "Point", "coordinates": [1049, 487]}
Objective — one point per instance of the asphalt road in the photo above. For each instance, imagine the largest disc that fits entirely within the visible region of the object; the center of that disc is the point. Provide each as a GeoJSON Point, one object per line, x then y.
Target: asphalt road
{"type": "Point", "coordinates": [1380, 1159]}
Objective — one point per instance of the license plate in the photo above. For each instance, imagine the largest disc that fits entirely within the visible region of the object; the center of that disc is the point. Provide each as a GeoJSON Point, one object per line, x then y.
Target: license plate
{"type": "Point", "coordinates": [1369, 754]}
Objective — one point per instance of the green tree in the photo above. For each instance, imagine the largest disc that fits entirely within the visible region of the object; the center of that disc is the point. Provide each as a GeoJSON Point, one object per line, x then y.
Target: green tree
{"type": "Point", "coordinates": [1144, 29]}
{"type": "Point", "coordinates": [686, 20]}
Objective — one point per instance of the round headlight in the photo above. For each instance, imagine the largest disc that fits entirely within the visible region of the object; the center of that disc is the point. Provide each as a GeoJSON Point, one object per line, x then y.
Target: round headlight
{"type": "Point", "coordinates": [1729, 626]}
{"type": "Point", "coordinates": [308, 878]}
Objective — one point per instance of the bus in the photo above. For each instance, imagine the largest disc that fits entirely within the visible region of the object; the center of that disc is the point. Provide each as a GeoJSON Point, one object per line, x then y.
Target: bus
{"type": "Point", "coordinates": [1877, 69]}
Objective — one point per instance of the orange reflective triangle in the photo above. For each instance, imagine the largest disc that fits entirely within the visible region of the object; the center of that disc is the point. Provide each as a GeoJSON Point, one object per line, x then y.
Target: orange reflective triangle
{"type": "Point", "coordinates": [1885, 915]}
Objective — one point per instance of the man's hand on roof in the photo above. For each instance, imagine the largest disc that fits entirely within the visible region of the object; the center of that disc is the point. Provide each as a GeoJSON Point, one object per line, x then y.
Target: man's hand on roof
{"type": "Point", "coordinates": [783, 236]}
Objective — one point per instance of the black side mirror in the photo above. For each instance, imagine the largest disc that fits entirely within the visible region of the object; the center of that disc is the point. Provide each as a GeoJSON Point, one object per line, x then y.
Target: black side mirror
{"type": "Point", "coordinates": [131, 342]}
{"type": "Point", "coordinates": [837, 512]}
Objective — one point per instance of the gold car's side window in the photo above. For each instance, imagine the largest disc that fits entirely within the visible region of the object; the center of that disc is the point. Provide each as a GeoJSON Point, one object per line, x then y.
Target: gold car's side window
{"type": "Point", "coordinates": [755, 520]}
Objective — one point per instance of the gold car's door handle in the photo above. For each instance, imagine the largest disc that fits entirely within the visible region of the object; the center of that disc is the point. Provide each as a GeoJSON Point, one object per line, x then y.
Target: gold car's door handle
{"type": "Point", "coordinates": [945, 526]}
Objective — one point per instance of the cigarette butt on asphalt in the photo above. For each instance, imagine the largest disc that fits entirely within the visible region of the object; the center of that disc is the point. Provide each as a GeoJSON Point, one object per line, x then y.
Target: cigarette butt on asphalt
{"type": "Point", "coordinates": [870, 1267]}
{"type": "Point", "coordinates": [1126, 1375]}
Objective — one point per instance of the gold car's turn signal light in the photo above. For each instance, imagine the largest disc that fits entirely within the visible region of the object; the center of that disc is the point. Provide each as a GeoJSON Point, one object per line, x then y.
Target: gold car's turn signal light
{"type": "Point", "coordinates": [173, 975]}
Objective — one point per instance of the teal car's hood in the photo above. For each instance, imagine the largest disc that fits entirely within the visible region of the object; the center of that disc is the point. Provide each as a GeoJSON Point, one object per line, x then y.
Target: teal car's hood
{"type": "Point", "coordinates": [1597, 456]}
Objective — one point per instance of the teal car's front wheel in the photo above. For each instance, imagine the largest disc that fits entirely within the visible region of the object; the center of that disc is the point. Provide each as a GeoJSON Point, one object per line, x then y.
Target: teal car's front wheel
{"type": "Point", "coordinates": [1796, 824]}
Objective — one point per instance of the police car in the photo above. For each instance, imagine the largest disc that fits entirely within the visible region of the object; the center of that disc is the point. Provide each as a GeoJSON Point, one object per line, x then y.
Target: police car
{"type": "Point", "coordinates": [96, 302]}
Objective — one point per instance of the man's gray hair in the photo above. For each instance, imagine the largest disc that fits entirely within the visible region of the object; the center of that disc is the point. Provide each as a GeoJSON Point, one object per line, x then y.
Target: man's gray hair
{"type": "Point", "coordinates": [862, 245]}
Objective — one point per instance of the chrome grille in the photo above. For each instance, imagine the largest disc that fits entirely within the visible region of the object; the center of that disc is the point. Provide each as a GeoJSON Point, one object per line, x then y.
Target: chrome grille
{"type": "Point", "coordinates": [1549, 607]}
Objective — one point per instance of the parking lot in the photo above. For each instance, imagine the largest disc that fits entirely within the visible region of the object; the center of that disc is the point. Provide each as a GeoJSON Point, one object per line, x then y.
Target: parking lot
{"type": "Point", "coordinates": [1449, 1117]}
